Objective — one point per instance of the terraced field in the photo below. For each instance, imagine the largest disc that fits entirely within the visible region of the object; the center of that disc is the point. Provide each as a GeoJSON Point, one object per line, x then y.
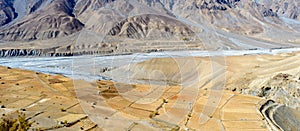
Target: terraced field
{"type": "Point", "coordinates": [162, 100]}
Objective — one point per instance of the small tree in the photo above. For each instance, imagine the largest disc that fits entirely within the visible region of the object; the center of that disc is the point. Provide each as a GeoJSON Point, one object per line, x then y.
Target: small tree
{"type": "Point", "coordinates": [19, 124]}
{"type": "Point", "coordinates": [185, 39]}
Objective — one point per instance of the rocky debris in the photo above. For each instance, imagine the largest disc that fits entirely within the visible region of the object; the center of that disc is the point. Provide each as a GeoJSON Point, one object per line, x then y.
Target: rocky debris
{"type": "Point", "coordinates": [266, 12]}
{"type": "Point", "coordinates": [19, 52]}
{"type": "Point", "coordinates": [151, 27]}
{"type": "Point", "coordinates": [106, 69]}
{"type": "Point", "coordinates": [30, 52]}
{"type": "Point", "coordinates": [55, 20]}
{"type": "Point", "coordinates": [282, 88]}
{"type": "Point", "coordinates": [35, 5]}
{"type": "Point", "coordinates": [7, 12]}
{"type": "Point", "coordinates": [44, 52]}
{"type": "Point", "coordinates": [223, 5]}
{"type": "Point", "coordinates": [284, 8]}
{"type": "Point", "coordinates": [47, 19]}
{"type": "Point", "coordinates": [82, 5]}
{"type": "Point", "coordinates": [123, 27]}
{"type": "Point", "coordinates": [104, 48]}
{"type": "Point", "coordinates": [216, 4]}
{"type": "Point", "coordinates": [280, 117]}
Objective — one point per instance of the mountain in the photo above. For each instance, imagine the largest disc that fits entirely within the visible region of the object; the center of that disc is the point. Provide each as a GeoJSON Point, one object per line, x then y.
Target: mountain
{"type": "Point", "coordinates": [54, 20]}
{"type": "Point", "coordinates": [109, 26]}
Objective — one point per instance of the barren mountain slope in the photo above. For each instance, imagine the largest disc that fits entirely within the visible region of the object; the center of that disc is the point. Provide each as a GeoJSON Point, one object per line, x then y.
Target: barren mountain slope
{"type": "Point", "coordinates": [285, 8]}
{"type": "Point", "coordinates": [7, 12]}
{"type": "Point", "coordinates": [218, 24]}
{"type": "Point", "coordinates": [55, 20]}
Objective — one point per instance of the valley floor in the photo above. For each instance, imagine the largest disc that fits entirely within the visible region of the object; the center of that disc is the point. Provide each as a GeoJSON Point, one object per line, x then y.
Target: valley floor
{"type": "Point", "coordinates": [58, 102]}
{"type": "Point", "coordinates": [49, 101]}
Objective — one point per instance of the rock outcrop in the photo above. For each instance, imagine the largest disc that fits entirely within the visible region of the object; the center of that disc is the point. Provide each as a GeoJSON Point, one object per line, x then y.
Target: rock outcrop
{"type": "Point", "coordinates": [217, 24]}
{"type": "Point", "coordinates": [151, 27]}
{"type": "Point", "coordinates": [55, 20]}
{"type": "Point", "coordinates": [52, 52]}
{"type": "Point", "coordinates": [280, 117]}
{"type": "Point", "coordinates": [284, 8]}
{"type": "Point", "coordinates": [7, 12]}
{"type": "Point", "coordinates": [282, 88]}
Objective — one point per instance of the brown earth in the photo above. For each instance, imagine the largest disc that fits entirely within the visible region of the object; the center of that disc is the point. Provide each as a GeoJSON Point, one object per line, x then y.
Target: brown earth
{"type": "Point", "coordinates": [274, 77]}
{"type": "Point", "coordinates": [166, 99]}
{"type": "Point", "coordinates": [48, 101]}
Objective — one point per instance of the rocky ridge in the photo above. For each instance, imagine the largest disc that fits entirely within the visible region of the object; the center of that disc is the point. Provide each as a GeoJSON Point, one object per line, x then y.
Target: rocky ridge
{"type": "Point", "coordinates": [93, 22]}
{"type": "Point", "coordinates": [55, 20]}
